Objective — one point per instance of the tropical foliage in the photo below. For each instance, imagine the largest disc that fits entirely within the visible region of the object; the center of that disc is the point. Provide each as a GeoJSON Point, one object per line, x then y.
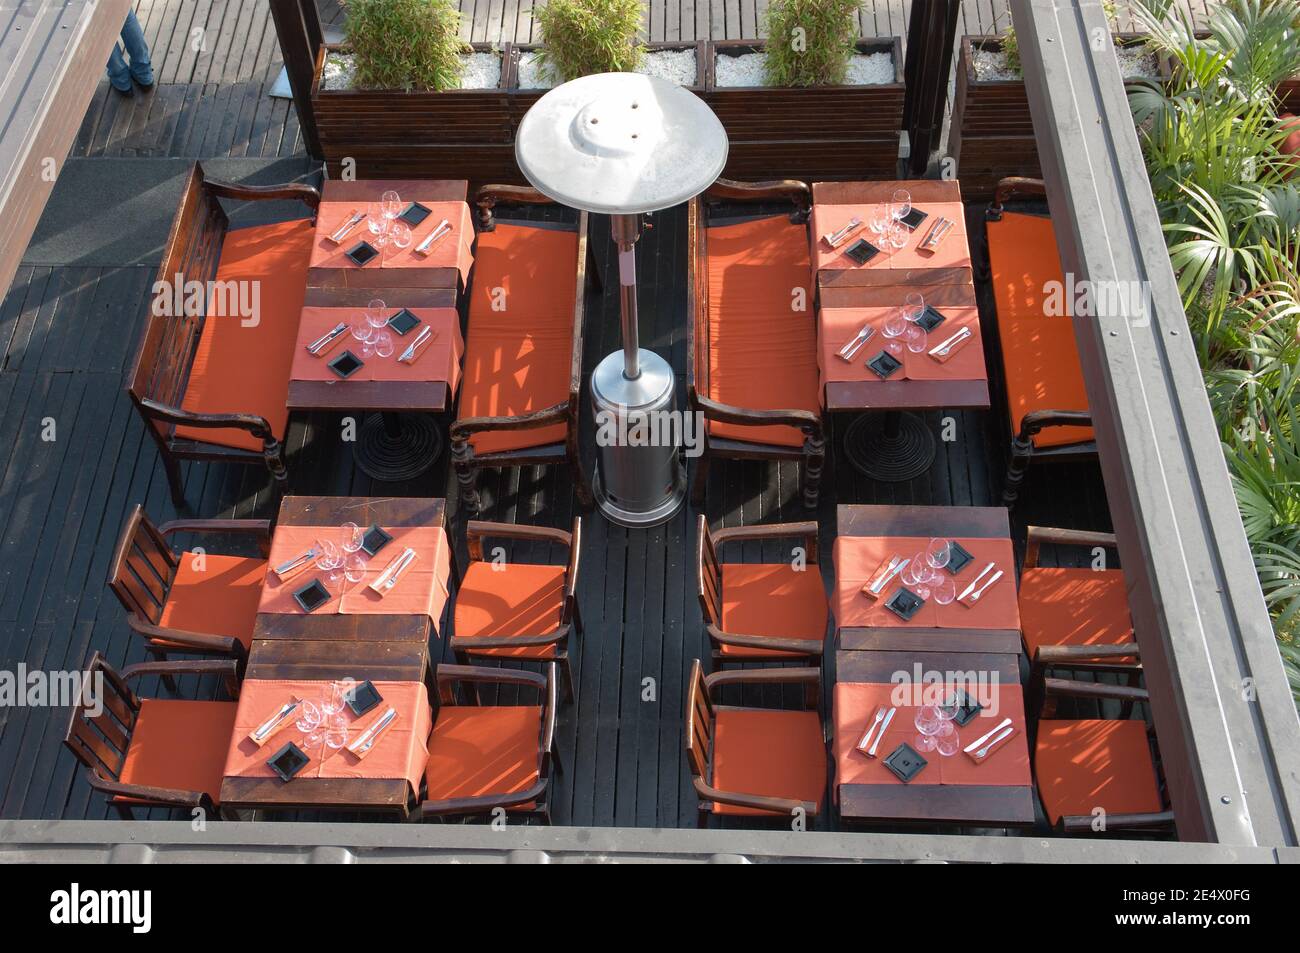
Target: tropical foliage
{"type": "Point", "coordinates": [405, 44]}
{"type": "Point", "coordinates": [1231, 214]}
{"type": "Point", "coordinates": [581, 37]}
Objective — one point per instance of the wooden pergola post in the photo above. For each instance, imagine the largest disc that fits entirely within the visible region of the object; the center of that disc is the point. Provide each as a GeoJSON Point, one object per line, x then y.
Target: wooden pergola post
{"type": "Point", "coordinates": [297, 25]}
{"type": "Point", "coordinates": [930, 41]}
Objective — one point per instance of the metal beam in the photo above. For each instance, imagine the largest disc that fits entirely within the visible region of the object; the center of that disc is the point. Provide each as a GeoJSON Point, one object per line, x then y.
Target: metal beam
{"type": "Point", "coordinates": [1228, 731]}
{"type": "Point", "coordinates": [931, 38]}
{"type": "Point", "coordinates": [297, 27]}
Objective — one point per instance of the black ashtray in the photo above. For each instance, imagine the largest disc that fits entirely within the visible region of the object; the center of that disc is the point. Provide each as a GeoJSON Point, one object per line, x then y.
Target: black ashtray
{"type": "Point", "coordinates": [862, 251]}
{"type": "Point", "coordinates": [929, 319]}
{"type": "Point", "coordinates": [362, 252]}
{"type": "Point", "coordinates": [363, 698]}
{"type": "Point", "coordinates": [963, 707]}
{"type": "Point", "coordinates": [884, 364]}
{"type": "Point", "coordinates": [914, 218]}
{"type": "Point", "coordinates": [906, 762]}
{"type": "Point", "coordinates": [403, 321]}
{"type": "Point", "coordinates": [375, 540]}
{"type": "Point", "coordinates": [414, 214]}
{"type": "Point", "coordinates": [958, 557]}
{"type": "Point", "coordinates": [346, 364]}
{"type": "Point", "coordinates": [904, 603]}
{"type": "Point", "coordinates": [312, 596]}
{"type": "Point", "coordinates": [288, 761]}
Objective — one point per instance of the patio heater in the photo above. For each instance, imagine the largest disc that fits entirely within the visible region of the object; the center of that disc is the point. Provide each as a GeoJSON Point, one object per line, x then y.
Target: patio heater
{"type": "Point", "coordinates": [624, 144]}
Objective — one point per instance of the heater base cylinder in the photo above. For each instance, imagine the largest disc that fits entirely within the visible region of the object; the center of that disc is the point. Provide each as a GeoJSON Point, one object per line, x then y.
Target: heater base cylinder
{"type": "Point", "coordinates": [640, 480]}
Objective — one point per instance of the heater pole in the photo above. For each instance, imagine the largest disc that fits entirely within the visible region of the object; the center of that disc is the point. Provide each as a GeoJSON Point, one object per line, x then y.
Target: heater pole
{"type": "Point", "coordinates": [626, 230]}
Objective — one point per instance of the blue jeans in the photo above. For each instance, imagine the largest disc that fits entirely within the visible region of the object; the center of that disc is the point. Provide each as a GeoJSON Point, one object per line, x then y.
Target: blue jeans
{"type": "Point", "coordinates": [119, 74]}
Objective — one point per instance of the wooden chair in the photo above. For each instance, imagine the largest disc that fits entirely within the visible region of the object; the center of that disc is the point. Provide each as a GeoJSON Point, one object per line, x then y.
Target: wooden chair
{"type": "Point", "coordinates": [1047, 403]}
{"type": "Point", "coordinates": [761, 612]}
{"type": "Point", "coordinates": [756, 762]}
{"type": "Point", "coordinates": [484, 757]}
{"type": "Point", "coordinates": [1083, 765]}
{"type": "Point", "coordinates": [1073, 618]}
{"type": "Point", "coordinates": [209, 384]}
{"type": "Point", "coordinates": [153, 752]}
{"type": "Point", "coordinates": [752, 357]}
{"type": "Point", "coordinates": [516, 610]}
{"type": "Point", "coordinates": [188, 602]}
{"type": "Point", "coordinates": [523, 352]}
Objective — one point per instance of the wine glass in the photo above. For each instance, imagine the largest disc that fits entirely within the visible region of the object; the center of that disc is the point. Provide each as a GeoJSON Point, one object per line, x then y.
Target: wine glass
{"type": "Point", "coordinates": [378, 225]}
{"type": "Point", "coordinates": [331, 702]}
{"type": "Point", "coordinates": [382, 342]}
{"type": "Point", "coordinates": [892, 329]}
{"type": "Point", "coordinates": [929, 723]}
{"type": "Point", "coordinates": [390, 204]}
{"type": "Point", "coordinates": [352, 537]}
{"type": "Point", "coordinates": [354, 568]}
{"type": "Point", "coordinates": [917, 576]}
{"type": "Point", "coordinates": [363, 333]}
{"type": "Point", "coordinates": [335, 732]}
{"type": "Point", "coordinates": [938, 552]}
{"type": "Point", "coordinates": [309, 721]}
{"type": "Point", "coordinates": [915, 337]}
{"type": "Point", "coordinates": [329, 560]}
{"type": "Point", "coordinates": [943, 589]}
{"type": "Point", "coordinates": [913, 306]}
{"type": "Point", "coordinates": [896, 235]}
{"type": "Point", "coordinates": [901, 205]}
{"type": "Point", "coordinates": [376, 313]}
{"type": "Point", "coordinates": [400, 234]}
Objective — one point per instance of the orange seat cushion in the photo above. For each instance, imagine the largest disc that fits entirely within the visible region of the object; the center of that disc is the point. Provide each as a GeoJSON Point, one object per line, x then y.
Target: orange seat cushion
{"type": "Point", "coordinates": [1040, 359]}
{"type": "Point", "coordinates": [215, 595]}
{"type": "Point", "coordinates": [1074, 607]}
{"type": "Point", "coordinates": [768, 752]}
{"type": "Point", "coordinates": [520, 347]}
{"type": "Point", "coordinates": [772, 599]}
{"type": "Point", "coordinates": [480, 750]}
{"type": "Point", "coordinates": [179, 745]}
{"type": "Point", "coordinates": [762, 352]}
{"type": "Point", "coordinates": [241, 369]}
{"type": "Point", "coordinates": [510, 599]}
{"type": "Point", "coordinates": [1083, 765]}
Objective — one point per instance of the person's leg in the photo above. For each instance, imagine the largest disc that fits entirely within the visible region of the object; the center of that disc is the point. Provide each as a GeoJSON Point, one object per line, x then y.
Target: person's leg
{"type": "Point", "coordinates": [138, 50]}
{"type": "Point", "coordinates": [118, 73]}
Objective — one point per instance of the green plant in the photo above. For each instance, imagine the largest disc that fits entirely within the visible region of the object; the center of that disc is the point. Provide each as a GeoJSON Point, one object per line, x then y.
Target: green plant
{"type": "Point", "coordinates": [405, 44]}
{"type": "Point", "coordinates": [809, 41]}
{"type": "Point", "coordinates": [1011, 44]}
{"type": "Point", "coordinates": [581, 37]}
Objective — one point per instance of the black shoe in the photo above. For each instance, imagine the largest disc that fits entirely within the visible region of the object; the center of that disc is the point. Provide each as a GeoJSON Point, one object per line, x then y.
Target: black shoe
{"type": "Point", "coordinates": [128, 92]}
{"type": "Point", "coordinates": [141, 83]}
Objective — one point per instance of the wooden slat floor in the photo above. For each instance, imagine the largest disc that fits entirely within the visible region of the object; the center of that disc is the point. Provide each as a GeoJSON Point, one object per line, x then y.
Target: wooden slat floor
{"type": "Point", "coordinates": [75, 457]}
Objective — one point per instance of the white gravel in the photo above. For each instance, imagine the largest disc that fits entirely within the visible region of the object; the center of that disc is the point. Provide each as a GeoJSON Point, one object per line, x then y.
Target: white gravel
{"type": "Point", "coordinates": [480, 71]}
{"type": "Point", "coordinates": [1135, 62]}
{"type": "Point", "coordinates": [746, 70]}
{"type": "Point", "coordinates": [531, 73]}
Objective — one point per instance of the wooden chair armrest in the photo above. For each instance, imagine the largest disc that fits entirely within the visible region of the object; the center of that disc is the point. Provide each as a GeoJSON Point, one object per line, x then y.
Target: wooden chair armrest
{"type": "Point", "coordinates": [1036, 420]}
{"type": "Point", "coordinates": [1035, 536]}
{"type": "Point", "coordinates": [200, 641]}
{"type": "Point", "coordinates": [1082, 824]}
{"type": "Point", "coordinates": [761, 802]}
{"type": "Point", "coordinates": [1063, 654]}
{"type": "Point", "coordinates": [805, 529]}
{"type": "Point", "coordinates": [556, 413]}
{"type": "Point", "coordinates": [794, 190]}
{"type": "Point", "coordinates": [1015, 186]}
{"type": "Point", "coordinates": [482, 803]}
{"type": "Point", "coordinates": [1075, 689]}
{"type": "Point", "coordinates": [447, 675]}
{"type": "Point", "coordinates": [477, 530]}
{"type": "Point", "coordinates": [256, 527]}
{"type": "Point", "coordinates": [306, 194]}
{"type": "Point", "coordinates": [806, 420]}
{"type": "Point", "coordinates": [143, 792]}
{"type": "Point", "coordinates": [258, 426]}
{"type": "Point", "coordinates": [777, 644]}
{"type": "Point", "coordinates": [470, 644]}
{"type": "Point", "coordinates": [487, 197]}
{"type": "Point", "coordinates": [228, 669]}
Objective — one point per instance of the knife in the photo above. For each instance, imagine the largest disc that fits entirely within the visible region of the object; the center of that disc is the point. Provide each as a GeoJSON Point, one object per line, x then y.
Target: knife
{"type": "Point", "coordinates": [1006, 732]}
{"type": "Point", "coordinates": [268, 727]}
{"type": "Point", "coordinates": [987, 735]}
{"type": "Point", "coordinates": [388, 578]}
{"type": "Point", "coordinates": [444, 228]}
{"type": "Point", "coordinates": [937, 234]}
{"type": "Point", "coordinates": [367, 740]}
{"type": "Point", "coordinates": [341, 232]}
{"type": "Point", "coordinates": [974, 596]}
{"type": "Point", "coordinates": [424, 337]}
{"type": "Point", "coordinates": [322, 344]}
{"type": "Point", "coordinates": [408, 557]}
{"type": "Point", "coordinates": [296, 562]}
{"type": "Point", "coordinates": [885, 580]}
{"type": "Point", "coordinates": [975, 582]}
{"type": "Point", "coordinates": [835, 239]}
{"type": "Point", "coordinates": [880, 714]}
{"type": "Point", "coordinates": [947, 345]}
{"type": "Point", "coordinates": [889, 716]}
{"type": "Point", "coordinates": [847, 352]}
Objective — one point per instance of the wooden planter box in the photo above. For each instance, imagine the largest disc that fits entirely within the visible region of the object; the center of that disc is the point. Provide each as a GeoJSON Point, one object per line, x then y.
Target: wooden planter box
{"type": "Point", "coordinates": [456, 134]}
{"type": "Point", "coordinates": [812, 132]}
{"type": "Point", "coordinates": [992, 134]}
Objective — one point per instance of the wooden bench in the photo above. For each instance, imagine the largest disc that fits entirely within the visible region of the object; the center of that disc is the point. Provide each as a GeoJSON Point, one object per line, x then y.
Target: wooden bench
{"type": "Point", "coordinates": [523, 351]}
{"type": "Point", "coordinates": [1046, 401]}
{"type": "Point", "coordinates": [752, 354]}
{"type": "Point", "coordinates": [212, 369]}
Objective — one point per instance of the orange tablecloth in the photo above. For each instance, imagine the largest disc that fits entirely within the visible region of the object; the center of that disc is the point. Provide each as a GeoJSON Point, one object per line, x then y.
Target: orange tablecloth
{"type": "Point", "coordinates": [453, 251]}
{"type": "Point", "coordinates": [422, 589]}
{"type": "Point", "coordinates": [401, 751]}
{"type": "Point", "coordinates": [439, 360]}
{"type": "Point", "coordinates": [855, 707]}
{"type": "Point", "coordinates": [837, 326]}
{"type": "Point", "coordinates": [857, 558]}
{"type": "Point", "coordinates": [953, 251]}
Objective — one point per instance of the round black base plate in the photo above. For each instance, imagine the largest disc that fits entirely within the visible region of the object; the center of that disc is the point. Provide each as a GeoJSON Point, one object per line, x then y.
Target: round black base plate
{"type": "Point", "coordinates": [889, 458]}
{"type": "Point", "coordinates": [397, 447]}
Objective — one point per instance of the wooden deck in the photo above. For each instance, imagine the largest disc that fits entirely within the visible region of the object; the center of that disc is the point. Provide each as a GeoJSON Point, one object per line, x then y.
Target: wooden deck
{"type": "Point", "coordinates": [76, 457]}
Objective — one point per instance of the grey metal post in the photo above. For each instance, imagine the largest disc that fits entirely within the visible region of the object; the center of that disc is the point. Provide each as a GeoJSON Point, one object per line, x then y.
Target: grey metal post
{"type": "Point", "coordinates": [626, 230]}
